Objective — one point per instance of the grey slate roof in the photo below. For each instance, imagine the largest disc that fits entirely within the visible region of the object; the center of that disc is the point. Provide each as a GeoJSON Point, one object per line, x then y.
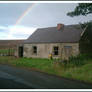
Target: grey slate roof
{"type": "Point", "coordinates": [70, 33]}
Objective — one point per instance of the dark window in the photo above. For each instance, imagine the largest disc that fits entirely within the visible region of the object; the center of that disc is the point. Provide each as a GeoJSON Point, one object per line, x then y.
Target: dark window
{"type": "Point", "coordinates": [56, 50]}
{"type": "Point", "coordinates": [34, 49]}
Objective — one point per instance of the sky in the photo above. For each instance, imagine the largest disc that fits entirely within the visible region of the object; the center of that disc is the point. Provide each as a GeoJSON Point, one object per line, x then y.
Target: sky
{"type": "Point", "coordinates": [20, 20]}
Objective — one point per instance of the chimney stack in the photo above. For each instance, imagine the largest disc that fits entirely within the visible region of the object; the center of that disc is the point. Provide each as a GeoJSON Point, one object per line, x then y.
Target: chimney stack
{"type": "Point", "coordinates": [60, 26]}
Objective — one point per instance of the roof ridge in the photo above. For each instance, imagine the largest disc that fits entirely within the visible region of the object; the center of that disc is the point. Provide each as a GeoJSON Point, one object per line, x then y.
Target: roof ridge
{"type": "Point", "coordinates": [56, 26]}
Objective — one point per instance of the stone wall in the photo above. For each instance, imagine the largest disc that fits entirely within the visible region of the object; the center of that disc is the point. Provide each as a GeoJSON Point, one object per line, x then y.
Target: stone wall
{"type": "Point", "coordinates": [43, 50]}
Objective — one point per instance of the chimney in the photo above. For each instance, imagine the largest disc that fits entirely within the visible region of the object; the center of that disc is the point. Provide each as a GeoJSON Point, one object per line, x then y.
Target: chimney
{"type": "Point", "coordinates": [60, 26]}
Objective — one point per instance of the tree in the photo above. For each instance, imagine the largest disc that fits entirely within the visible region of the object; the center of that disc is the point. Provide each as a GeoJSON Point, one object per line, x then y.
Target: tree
{"type": "Point", "coordinates": [82, 9]}
{"type": "Point", "coordinates": [86, 39]}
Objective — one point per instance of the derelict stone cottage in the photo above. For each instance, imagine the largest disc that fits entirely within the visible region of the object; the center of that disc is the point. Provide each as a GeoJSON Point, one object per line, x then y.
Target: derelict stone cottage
{"type": "Point", "coordinates": [61, 41]}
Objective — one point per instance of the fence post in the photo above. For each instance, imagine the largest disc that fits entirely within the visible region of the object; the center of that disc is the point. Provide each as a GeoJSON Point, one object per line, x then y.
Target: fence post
{"type": "Point", "coordinates": [9, 52]}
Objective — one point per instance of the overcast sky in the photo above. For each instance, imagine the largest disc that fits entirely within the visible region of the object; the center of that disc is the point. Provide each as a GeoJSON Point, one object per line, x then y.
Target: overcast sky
{"type": "Point", "coordinates": [19, 20]}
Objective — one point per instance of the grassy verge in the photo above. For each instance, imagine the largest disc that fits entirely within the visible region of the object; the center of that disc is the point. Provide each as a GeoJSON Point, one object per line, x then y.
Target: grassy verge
{"type": "Point", "coordinates": [83, 73]}
{"type": "Point", "coordinates": [40, 64]}
{"type": "Point", "coordinates": [79, 68]}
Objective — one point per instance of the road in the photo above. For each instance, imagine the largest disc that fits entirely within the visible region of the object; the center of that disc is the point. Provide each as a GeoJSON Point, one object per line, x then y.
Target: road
{"type": "Point", "coordinates": [12, 77]}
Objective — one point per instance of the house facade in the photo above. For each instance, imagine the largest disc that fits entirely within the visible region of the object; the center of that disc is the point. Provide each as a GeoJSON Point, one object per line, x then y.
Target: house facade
{"type": "Point", "coordinates": [61, 42]}
{"type": "Point", "coordinates": [58, 50]}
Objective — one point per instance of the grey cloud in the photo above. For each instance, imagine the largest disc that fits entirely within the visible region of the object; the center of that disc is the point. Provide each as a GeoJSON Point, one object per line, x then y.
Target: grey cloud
{"type": "Point", "coordinates": [10, 12]}
{"type": "Point", "coordinates": [21, 35]}
{"type": "Point", "coordinates": [45, 15]}
{"type": "Point", "coordinates": [41, 15]}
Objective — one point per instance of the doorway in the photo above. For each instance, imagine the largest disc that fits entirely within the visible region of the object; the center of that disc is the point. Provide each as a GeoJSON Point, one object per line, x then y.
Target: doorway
{"type": "Point", "coordinates": [68, 51]}
{"type": "Point", "coordinates": [20, 51]}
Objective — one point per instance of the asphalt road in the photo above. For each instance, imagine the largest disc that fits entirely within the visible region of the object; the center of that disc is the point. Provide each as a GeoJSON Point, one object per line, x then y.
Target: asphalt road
{"type": "Point", "coordinates": [12, 77]}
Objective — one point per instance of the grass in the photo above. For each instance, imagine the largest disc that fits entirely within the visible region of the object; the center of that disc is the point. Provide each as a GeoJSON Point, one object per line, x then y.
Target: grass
{"type": "Point", "coordinates": [83, 73]}
{"type": "Point", "coordinates": [40, 64]}
{"type": "Point", "coordinates": [81, 70]}
{"type": "Point", "coordinates": [4, 50]}
{"type": "Point", "coordinates": [7, 51]}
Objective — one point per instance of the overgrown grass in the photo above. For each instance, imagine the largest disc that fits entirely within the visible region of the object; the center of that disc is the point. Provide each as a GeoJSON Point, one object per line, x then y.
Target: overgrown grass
{"type": "Point", "coordinates": [83, 73]}
{"type": "Point", "coordinates": [79, 67]}
{"type": "Point", "coordinates": [80, 60]}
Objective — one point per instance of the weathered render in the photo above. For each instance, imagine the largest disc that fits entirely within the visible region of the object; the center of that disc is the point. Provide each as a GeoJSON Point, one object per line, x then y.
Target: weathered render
{"type": "Point", "coordinates": [44, 49]}
{"type": "Point", "coordinates": [61, 42]}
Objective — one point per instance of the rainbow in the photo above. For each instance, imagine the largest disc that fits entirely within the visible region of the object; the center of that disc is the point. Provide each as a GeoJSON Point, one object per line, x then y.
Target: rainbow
{"type": "Point", "coordinates": [25, 13]}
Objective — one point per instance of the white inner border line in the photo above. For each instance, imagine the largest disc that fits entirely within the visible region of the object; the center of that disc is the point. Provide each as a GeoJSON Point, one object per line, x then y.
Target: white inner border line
{"type": "Point", "coordinates": [45, 1]}
{"type": "Point", "coordinates": [46, 89]}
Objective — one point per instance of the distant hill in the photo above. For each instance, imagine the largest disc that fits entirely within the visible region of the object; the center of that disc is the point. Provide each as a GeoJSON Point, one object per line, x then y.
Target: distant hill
{"type": "Point", "coordinates": [10, 43]}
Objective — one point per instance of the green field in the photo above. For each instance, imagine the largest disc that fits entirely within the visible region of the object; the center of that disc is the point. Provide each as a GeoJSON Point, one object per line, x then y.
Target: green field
{"type": "Point", "coordinates": [7, 51]}
{"type": "Point", "coordinates": [81, 70]}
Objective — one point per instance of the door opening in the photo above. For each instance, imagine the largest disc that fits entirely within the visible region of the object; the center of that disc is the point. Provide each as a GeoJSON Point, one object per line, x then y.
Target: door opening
{"type": "Point", "coordinates": [68, 51]}
{"type": "Point", "coordinates": [21, 51]}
